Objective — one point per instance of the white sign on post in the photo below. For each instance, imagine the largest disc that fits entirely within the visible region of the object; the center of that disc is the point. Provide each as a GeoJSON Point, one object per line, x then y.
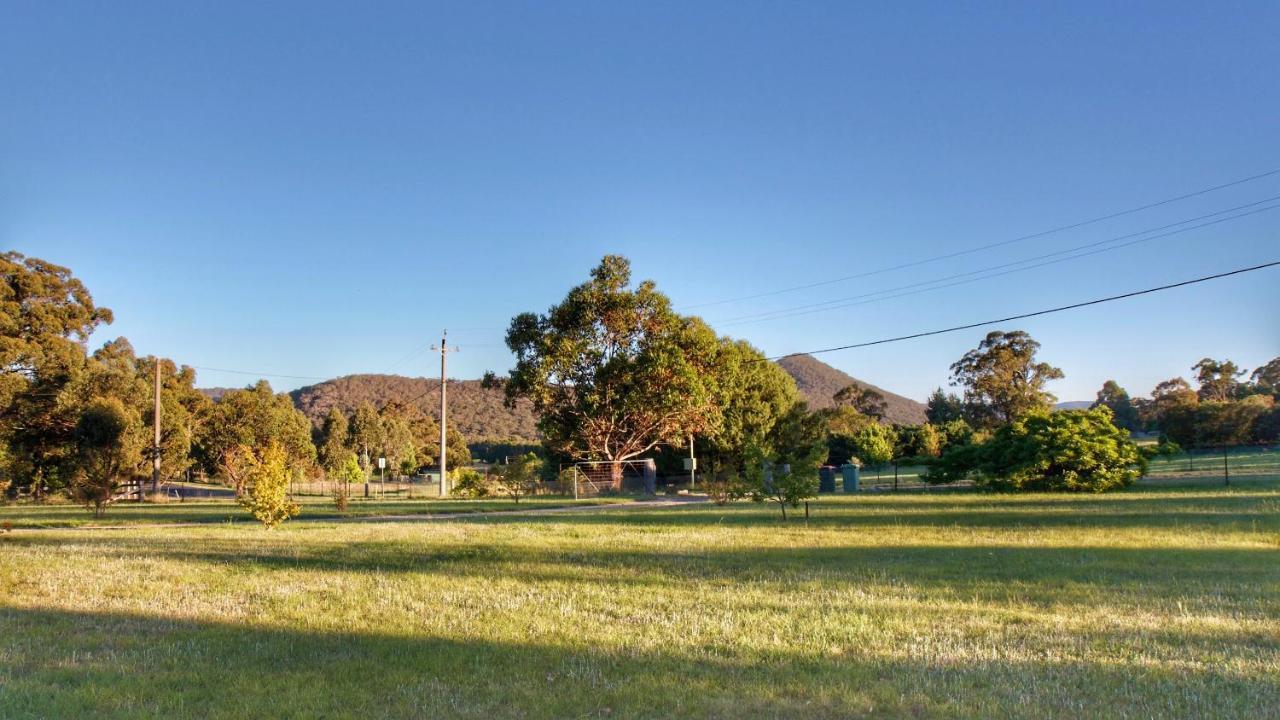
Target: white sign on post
{"type": "Point", "coordinates": [382, 463]}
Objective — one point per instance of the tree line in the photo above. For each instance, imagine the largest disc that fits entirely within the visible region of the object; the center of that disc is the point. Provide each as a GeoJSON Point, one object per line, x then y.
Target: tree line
{"type": "Point", "coordinates": [1226, 408]}
{"type": "Point", "coordinates": [80, 423]}
{"type": "Point", "coordinates": [614, 374]}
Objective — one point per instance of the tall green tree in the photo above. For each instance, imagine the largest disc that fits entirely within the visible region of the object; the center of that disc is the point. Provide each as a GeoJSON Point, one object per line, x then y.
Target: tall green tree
{"type": "Point", "coordinates": [252, 420]}
{"type": "Point", "coordinates": [1173, 410]}
{"type": "Point", "coordinates": [750, 394]}
{"type": "Point", "coordinates": [334, 447]}
{"type": "Point", "coordinates": [1002, 379]}
{"type": "Point", "coordinates": [109, 442]}
{"type": "Point", "coordinates": [366, 434]}
{"type": "Point", "coordinates": [919, 441]}
{"type": "Point", "coordinates": [46, 316]}
{"type": "Point", "coordinates": [863, 399]}
{"type": "Point", "coordinates": [1121, 405]}
{"type": "Point", "coordinates": [943, 407]}
{"type": "Point", "coordinates": [1266, 379]}
{"type": "Point", "coordinates": [1219, 380]}
{"type": "Point", "coordinates": [612, 371]}
{"type": "Point", "coordinates": [398, 444]}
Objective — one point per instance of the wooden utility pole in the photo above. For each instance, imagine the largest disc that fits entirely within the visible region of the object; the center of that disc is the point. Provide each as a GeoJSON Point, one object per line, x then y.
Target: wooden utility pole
{"type": "Point", "coordinates": [693, 465]}
{"type": "Point", "coordinates": [444, 409]}
{"type": "Point", "coordinates": [155, 448]}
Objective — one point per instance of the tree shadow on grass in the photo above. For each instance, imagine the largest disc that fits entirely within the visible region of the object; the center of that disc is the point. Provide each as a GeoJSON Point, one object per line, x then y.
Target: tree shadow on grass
{"type": "Point", "coordinates": [977, 512]}
{"type": "Point", "coordinates": [1029, 574]}
{"type": "Point", "coordinates": [78, 664]}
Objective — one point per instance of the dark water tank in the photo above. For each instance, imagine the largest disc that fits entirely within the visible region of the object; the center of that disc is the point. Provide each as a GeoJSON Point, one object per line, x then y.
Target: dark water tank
{"type": "Point", "coordinates": [851, 476]}
{"type": "Point", "coordinates": [826, 479]}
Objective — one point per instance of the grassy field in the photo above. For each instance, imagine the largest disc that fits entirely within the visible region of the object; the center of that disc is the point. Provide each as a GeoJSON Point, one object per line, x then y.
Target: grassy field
{"type": "Point", "coordinates": [1153, 602]}
{"type": "Point", "coordinates": [30, 515]}
{"type": "Point", "coordinates": [1239, 461]}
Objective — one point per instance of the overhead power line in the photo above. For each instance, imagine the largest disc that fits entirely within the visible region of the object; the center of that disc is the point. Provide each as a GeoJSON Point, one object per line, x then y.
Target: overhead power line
{"type": "Point", "coordinates": [989, 246]}
{"type": "Point", "coordinates": [258, 374]}
{"type": "Point", "coordinates": [987, 273]}
{"type": "Point", "coordinates": [1037, 313]}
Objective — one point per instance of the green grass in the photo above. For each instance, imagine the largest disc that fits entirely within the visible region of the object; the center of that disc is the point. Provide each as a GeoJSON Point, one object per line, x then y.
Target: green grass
{"type": "Point", "coordinates": [1240, 460]}
{"type": "Point", "coordinates": [1153, 602]}
{"type": "Point", "coordinates": [31, 515]}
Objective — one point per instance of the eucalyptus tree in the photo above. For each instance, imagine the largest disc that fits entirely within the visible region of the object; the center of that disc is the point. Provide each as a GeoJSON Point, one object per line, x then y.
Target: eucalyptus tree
{"type": "Point", "coordinates": [1002, 379]}
{"type": "Point", "coordinates": [612, 371]}
{"type": "Point", "coordinates": [1121, 405]}
{"type": "Point", "coordinates": [1219, 379]}
{"type": "Point", "coordinates": [46, 317]}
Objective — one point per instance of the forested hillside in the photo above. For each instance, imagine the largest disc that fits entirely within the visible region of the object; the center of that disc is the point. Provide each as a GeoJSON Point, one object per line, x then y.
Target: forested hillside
{"type": "Point", "coordinates": [819, 381]}
{"type": "Point", "coordinates": [476, 412]}
{"type": "Point", "coordinates": [480, 414]}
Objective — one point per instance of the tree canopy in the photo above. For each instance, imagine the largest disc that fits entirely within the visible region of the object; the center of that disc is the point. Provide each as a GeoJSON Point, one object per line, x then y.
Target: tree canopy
{"type": "Point", "coordinates": [1116, 399]}
{"type": "Point", "coordinates": [1073, 450]}
{"type": "Point", "coordinates": [863, 399]}
{"type": "Point", "coordinates": [612, 371]}
{"type": "Point", "coordinates": [1219, 380]}
{"type": "Point", "coordinates": [1002, 379]}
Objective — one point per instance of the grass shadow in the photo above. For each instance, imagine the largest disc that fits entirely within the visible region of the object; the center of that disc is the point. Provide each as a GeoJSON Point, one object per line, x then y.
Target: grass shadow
{"type": "Point", "coordinates": [109, 665]}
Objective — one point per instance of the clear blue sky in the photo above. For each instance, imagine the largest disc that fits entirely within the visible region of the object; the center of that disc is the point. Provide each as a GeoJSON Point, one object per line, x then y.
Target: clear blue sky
{"type": "Point", "coordinates": [317, 189]}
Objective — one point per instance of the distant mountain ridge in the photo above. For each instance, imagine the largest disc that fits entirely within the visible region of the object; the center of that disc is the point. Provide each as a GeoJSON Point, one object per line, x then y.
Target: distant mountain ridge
{"type": "Point", "coordinates": [1074, 405]}
{"type": "Point", "coordinates": [818, 382]}
{"type": "Point", "coordinates": [478, 413]}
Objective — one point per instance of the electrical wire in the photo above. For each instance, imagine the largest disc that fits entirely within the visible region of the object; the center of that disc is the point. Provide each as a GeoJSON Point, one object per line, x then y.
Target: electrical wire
{"type": "Point", "coordinates": [259, 374]}
{"type": "Point", "coordinates": [838, 303]}
{"type": "Point", "coordinates": [989, 246]}
{"type": "Point", "coordinates": [1037, 313]}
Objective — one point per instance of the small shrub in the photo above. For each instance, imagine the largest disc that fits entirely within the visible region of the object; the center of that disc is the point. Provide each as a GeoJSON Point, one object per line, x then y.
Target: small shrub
{"type": "Point", "coordinates": [519, 477]}
{"type": "Point", "coordinates": [469, 483]}
{"type": "Point", "coordinates": [347, 472]}
{"type": "Point", "coordinates": [267, 496]}
{"type": "Point", "coordinates": [725, 485]}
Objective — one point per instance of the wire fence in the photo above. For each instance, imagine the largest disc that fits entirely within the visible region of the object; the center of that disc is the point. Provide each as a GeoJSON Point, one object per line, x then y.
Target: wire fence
{"type": "Point", "coordinates": [1194, 466]}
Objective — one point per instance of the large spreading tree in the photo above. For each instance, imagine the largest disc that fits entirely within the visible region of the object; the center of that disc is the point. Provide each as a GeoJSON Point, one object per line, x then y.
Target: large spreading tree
{"type": "Point", "coordinates": [1073, 450]}
{"type": "Point", "coordinates": [750, 395]}
{"type": "Point", "coordinates": [1002, 379]}
{"type": "Point", "coordinates": [244, 423]}
{"type": "Point", "coordinates": [46, 316]}
{"type": "Point", "coordinates": [612, 371]}
{"type": "Point", "coordinates": [1219, 379]}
